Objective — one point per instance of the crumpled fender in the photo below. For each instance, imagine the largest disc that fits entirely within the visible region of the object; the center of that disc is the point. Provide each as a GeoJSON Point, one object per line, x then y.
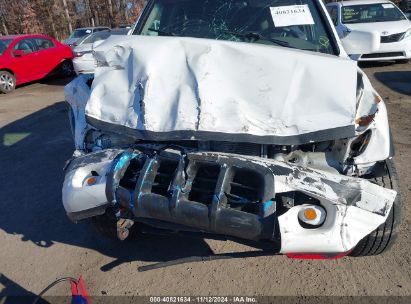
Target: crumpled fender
{"type": "Point", "coordinates": [77, 94]}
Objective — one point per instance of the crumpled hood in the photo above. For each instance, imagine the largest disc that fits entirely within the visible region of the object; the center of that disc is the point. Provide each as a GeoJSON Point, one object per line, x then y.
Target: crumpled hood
{"type": "Point", "coordinates": [165, 88]}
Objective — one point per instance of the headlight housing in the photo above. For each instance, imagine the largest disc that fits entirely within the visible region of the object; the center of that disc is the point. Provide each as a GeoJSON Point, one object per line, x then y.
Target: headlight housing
{"type": "Point", "coordinates": [407, 33]}
{"type": "Point", "coordinates": [80, 54]}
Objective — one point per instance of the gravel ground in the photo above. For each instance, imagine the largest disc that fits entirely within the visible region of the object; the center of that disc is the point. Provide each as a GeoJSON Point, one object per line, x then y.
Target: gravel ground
{"type": "Point", "coordinates": [39, 243]}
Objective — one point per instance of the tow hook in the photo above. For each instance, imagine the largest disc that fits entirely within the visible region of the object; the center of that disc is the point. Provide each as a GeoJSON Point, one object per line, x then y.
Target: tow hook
{"type": "Point", "coordinates": [123, 226]}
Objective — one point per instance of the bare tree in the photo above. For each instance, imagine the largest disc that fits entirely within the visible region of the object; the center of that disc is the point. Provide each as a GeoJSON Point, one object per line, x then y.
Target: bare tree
{"type": "Point", "coordinates": [3, 17]}
{"type": "Point", "coordinates": [111, 14]}
{"type": "Point", "coordinates": [67, 16]}
{"type": "Point", "coordinates": [59, 17]}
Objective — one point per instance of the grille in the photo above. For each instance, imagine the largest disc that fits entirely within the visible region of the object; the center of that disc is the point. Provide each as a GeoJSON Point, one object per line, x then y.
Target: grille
{"type": "Point", "coordinates": [204, 184]}
{"type": "Point", "coordinates": [236, 148]}
{"type": "Point", "coordinates": [164, 177]}
{"type": "Point", "coordinates": [392, 38]}
{"type": "Point", "coordinates": [383, 55]}
{"type": "Point", "coordinates": [132, 173]}
{"type": "Point", "coordinates": [245, 191]}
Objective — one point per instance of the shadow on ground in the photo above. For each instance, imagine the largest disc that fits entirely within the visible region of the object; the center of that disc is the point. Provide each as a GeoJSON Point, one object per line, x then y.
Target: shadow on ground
{"type": "Point", "coordinates": [33, 151]}
{"type": "Point", "coordinates": [398, 81]}
{"type": "Point", "coordinates": [12, 288]}
{"type": "Point", "coordinates": [49, 80]}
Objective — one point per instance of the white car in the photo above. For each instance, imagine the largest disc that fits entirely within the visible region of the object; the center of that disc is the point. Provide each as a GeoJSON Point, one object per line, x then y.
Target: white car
{"type": "Point", "coordinates": [233, 119]}
{"type": "Point", "coordinates": [83, 61]}
{"type": "Point", "coordinates": [374, 16]}
{"type": "Point", "coordinates": [80, 33]}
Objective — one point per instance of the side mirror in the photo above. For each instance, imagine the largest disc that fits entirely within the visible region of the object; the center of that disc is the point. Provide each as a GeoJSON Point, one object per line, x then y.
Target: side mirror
{"type": "Point", "coordinates": [18, 53]}
{"type": "Point", "coordinates": [360, 42]}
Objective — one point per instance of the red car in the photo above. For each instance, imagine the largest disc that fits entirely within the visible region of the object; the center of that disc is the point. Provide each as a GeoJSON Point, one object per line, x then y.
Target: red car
{"type": "Point", "coordinates": [25, 58]}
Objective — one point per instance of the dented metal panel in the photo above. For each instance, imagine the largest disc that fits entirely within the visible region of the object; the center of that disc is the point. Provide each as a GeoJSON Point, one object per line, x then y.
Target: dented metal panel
{"type": "Point", "coordinates": [229, 138]}
{"type": "Point", "coordinates": [202, 88]}
{"type": "Point", "coordinates": [355, 207]}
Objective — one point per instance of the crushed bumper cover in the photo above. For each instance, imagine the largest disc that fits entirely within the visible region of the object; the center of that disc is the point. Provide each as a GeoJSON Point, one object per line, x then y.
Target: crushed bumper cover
{"type": "Point", "coordinates": [227, 194]}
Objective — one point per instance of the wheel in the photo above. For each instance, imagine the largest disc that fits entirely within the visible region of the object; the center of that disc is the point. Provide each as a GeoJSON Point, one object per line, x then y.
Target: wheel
{"type": "Point", "coordinates": [7, 82]}
{"type": "Point", "coordinates": [106, 225]}
{"type": "Point", "coordinates": [67, 68]}
{"type": "Point", "coordinates": [383, 237]}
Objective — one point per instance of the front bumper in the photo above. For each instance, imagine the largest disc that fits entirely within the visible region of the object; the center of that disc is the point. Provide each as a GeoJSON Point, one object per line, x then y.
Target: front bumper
{"type": "Point", "coordinates": [84, 65]}
{"type": "Point", "coordinates": [228, 194]}
{"type": "Point", "coordinates": [400, 50]}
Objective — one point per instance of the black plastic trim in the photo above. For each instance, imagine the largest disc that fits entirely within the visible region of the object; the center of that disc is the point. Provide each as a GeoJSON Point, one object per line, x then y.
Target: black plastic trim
{"type": "Point", "coordinates": [318, 136]}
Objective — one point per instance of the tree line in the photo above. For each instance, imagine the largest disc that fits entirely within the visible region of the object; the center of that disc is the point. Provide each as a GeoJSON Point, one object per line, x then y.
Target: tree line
{"type": "Point", "coordinates": [58, 18]}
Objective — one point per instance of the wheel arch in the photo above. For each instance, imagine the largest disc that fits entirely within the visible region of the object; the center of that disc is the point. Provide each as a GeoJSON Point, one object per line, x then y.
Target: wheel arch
{"type": "Point", "coordinates": [8, 70]}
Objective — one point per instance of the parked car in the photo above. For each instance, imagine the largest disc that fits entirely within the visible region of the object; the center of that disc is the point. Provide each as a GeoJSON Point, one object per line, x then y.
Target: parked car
{"type": "Point", "coordinates": [380, 16]}
{"type": "Point", "coordinates": [25, 58]}
{"type": "Point", "coordinates": [82, 32]}
{"type": "Point", "coordinates": [83, 61]}
{"type": "Point", "coordinates": [242, 120]}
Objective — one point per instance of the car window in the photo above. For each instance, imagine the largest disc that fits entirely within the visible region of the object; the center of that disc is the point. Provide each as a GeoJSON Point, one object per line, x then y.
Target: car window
{"type": "Point", "coordinates": [122, 31]}
{"type": "Point", "coordinates": [366, 13]}
{"type": "Point", "coordinates": [254, 21]}
{"type": "Point", "coordinates": [4, 44]}
{"type": "Point", "coordinates": [96, 37]}
{"type": "Point", "coordinates": [44, 44]}
{"type": "Point", "coordinates": [26, 45]}
{"type": "Point", "coordinates": [332, 10]}
{"type": "Point", "coordinates": [80, 33]}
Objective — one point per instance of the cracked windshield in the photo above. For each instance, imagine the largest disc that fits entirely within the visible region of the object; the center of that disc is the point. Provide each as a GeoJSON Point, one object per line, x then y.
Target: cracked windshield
{"type": "Point", "coordinates": [286, 23]}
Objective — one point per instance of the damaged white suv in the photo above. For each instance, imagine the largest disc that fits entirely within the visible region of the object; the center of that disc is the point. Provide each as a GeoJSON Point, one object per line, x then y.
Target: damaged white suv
{"type": "Point", "coordinates": [235, 119]}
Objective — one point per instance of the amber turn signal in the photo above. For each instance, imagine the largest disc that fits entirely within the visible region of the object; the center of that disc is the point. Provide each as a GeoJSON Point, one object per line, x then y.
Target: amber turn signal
{"type": "Point", "coordinates": [91, 181]}
{"type": "Point", "coordinates": [310, 214]}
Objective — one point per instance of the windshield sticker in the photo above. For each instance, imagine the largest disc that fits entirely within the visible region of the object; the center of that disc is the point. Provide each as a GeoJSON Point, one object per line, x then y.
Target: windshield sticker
{"type": "Point", "coordinates": [291, 15]}
{"type": "Point", "coordinates": [324, 42]}
{"type": "Point", "coordinates": [388, 5]}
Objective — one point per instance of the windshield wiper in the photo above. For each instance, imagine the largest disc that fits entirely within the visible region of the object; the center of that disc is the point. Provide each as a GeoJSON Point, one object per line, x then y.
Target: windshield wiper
{"type": "Point", "coordinates": [257, 36]}
{"type": "Point", "coordinates": [162, 33]}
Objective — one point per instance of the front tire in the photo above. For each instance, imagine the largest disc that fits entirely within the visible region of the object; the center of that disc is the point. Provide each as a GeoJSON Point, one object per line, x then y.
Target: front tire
{"type": "Point", "coordinates": [383, 237]}
{"type": "Point", "coordinates": [66, 68]}
{"type": "Point", "coordinates": [7, 82]}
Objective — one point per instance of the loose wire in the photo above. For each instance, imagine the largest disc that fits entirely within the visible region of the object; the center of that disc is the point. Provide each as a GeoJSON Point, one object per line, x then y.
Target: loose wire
{"type": "Point", "coordinates": [65, 279]}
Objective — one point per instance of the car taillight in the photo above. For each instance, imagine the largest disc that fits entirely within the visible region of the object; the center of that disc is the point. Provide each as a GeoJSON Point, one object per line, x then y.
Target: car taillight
{"type": "Point", "coordinates": [79, 54]}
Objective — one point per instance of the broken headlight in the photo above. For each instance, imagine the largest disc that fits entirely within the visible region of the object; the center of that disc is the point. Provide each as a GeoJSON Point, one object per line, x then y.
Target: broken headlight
{"type": "Point", "coordinates": [104, 142]}
{"type": "Point", "coordinates": [96, 140]}
{"type": "Point", "coordinates": [359, 145]}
